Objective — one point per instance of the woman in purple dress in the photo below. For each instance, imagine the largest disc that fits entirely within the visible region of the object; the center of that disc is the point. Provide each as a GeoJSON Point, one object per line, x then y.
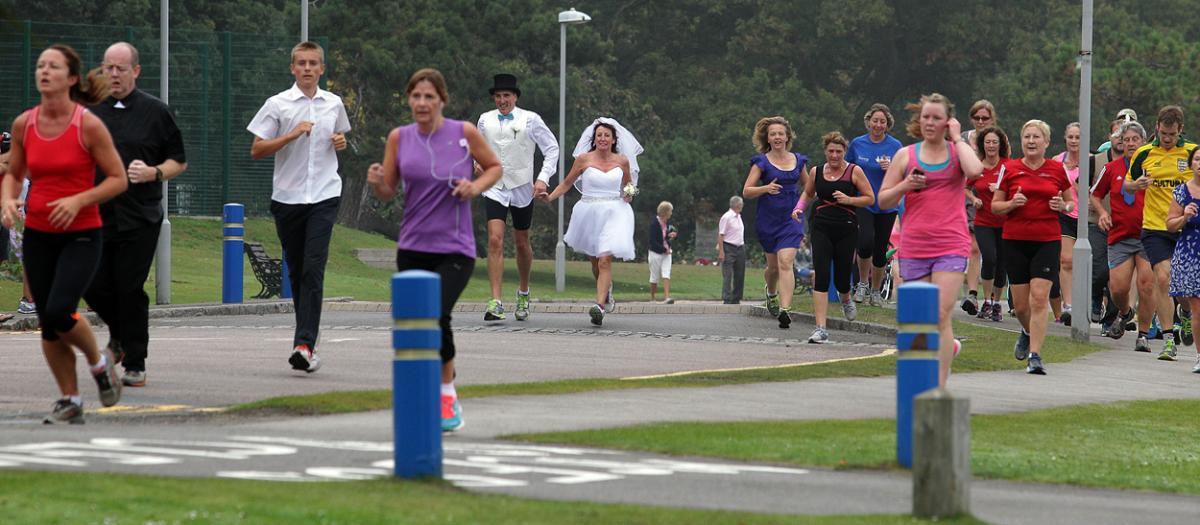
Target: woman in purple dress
{"type": "Point", "coordinates": [435, 158]}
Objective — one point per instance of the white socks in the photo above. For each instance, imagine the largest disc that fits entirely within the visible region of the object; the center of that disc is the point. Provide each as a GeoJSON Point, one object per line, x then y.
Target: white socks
{"type": "Point", "coordinates": [448, 390]}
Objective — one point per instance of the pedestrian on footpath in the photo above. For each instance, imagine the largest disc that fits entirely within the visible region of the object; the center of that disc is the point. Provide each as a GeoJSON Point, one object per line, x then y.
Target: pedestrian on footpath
{"type": "Point", "coordinates": [935, 243]}
{"type": "Point", "coordinates": [434, 158]}
{"type": "Point", "coordinates": [304, 128]}
{"type": "Point", "coordinates": [59, 144]}
{"type": "Point", "coordinates": [602, 222]}
{"type": "Point", "coordinates": [775, 179]}
{"type": "Point", "coordinates": [841, 190]}
{"type": "Point", "coordinates": [513, 133]}
{"type": "Point", "coordinates": [1183, 217]}
{"type": "Point", "coordinates": [1123, 223]}
{"type": "Point", "coordinates": [993, 150]}
{"type": "Point", "coordinates": [151, 148]}
{"type": "Point", "coordinates": [731, 252]}
{"type": "Point", "coordinates": [1156, 169]}
{"type": "Point", "coordinates": [872, 152]}
{"type": "Point", "coordinates": [1033, 192]}
{"type": "Point", "coordinates": [13, 237]}
{"type": "Point", "coordinates": [983, 115]}
{"type": "Point", "coordinates": [659, 235]}
{"type": "Point", "coordinates": [1069, 222]}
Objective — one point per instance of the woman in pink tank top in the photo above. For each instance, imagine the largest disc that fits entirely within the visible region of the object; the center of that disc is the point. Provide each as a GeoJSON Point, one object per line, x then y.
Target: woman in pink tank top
{"type": "Point", "coordinates": [58, 145]}
{"type": "Point", "coordinates": [934, 242]}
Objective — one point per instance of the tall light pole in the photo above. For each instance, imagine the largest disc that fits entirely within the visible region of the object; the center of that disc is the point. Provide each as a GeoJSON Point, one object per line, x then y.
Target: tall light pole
{"type": "Point", "coordinates": [565, 18]}
{"type": "Point", "coordinates": [162, 252]}
{"type": "Point", "coordinates": [1082, 252]}
{"type": "Point", "coordinates": [304, 20]}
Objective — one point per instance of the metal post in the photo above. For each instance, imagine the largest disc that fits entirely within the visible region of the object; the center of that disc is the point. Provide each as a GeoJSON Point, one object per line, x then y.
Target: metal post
{"type": "Point", "coordinates": [162, 253]}
{"type": "Point", "coordinates": [1082, 252]}
{"type": "Point", "coordinates": [27, 65]}
{"type": "Point", "coordinates": [917, 363]}
{"type": "Point", "coordinates": [560, 249]}
{"type": "Point", "coordinates": [416, 374]}
{"type": "Point", "coordinates": [226, 113]}
{"type": "Point", "coordinates": [231, 253]}
{"type": "Point", "coordinates": [304, 20]}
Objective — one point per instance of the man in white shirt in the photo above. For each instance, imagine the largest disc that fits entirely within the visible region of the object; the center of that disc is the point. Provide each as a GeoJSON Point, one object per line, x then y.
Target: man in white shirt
{"type": "Point", "coordinates": [513, 133]}
{"type": "Point", "coordinates": [304, 128]}
{"type": "Point", "coordinates": [731, 252]}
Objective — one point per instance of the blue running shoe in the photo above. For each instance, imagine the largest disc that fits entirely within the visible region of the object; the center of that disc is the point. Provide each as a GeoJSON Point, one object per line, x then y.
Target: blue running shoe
{"type": "Point", "coordinates": [451, 414]}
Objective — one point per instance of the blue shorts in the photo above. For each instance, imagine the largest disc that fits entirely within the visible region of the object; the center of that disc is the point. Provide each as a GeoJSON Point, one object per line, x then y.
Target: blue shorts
{"type": "Point", "coordinates": [1159, 245]}
{"type": "Point", "coordinates": [773, 244]}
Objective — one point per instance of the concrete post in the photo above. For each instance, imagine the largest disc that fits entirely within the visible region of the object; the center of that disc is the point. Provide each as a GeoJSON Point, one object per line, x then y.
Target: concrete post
{"type": "Point", "coordinates": [941, 471]}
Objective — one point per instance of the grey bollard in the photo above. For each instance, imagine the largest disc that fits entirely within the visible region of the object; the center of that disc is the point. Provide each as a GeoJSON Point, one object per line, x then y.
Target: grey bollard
{"type": "Point", "coordinates": [941, 470]}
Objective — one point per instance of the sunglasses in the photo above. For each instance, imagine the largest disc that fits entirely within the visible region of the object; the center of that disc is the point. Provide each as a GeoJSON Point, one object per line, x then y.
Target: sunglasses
{"type": "Point", "coordinates": [981, 118]}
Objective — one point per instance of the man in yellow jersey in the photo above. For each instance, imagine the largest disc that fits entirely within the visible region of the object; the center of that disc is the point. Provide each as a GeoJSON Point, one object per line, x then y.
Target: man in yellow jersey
{"type": "Point", "coordinates": [1157, 168]}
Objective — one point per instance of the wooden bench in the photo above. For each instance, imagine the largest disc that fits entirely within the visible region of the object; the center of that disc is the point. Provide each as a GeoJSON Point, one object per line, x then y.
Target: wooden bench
{"type": "Point", "coordinates": [267, 270]}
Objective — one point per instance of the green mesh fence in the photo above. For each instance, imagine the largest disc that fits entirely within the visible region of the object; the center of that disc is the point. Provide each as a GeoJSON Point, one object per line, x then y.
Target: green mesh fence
{"type": "Point", "coordinates": [218, 81]}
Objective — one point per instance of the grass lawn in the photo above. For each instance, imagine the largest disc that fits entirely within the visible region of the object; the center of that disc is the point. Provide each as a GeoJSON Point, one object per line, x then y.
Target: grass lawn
{"type": "Point", "coordinates": [25, 497]}
{"type": "Point", "coordinates": [1146, 445]}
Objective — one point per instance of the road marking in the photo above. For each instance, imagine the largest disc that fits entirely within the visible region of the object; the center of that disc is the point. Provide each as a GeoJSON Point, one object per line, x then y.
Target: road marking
{"type": "Point", "coordinates": [884, 353]}
{"type": "Point", "coordinates": [156, 409]}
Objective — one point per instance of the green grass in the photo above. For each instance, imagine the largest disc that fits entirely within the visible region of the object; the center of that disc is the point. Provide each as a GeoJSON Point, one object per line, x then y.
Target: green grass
{"type": "Point", "coordinates": [1146, 445]}
{"type": "Point", "coordinates": [25, 497]}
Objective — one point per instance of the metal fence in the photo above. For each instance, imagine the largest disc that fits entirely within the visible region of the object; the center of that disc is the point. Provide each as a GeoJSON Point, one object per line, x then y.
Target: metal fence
{"type": "Point", "coordinates": [218, 81]}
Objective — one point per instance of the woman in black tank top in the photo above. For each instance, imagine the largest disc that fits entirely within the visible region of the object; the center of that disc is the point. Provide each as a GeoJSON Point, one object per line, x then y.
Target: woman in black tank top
{"type": "Point", "coordinates": [840, 188]}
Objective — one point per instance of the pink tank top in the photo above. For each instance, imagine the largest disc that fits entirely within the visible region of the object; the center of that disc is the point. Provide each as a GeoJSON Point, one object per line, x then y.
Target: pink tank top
{"type": "Point", "coordinates": [1073, 176]}
{"type": "Point", "coordinates": [934, 225]}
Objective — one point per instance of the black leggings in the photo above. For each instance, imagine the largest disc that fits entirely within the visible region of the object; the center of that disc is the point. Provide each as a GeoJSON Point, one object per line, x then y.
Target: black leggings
{"type": "Point", "coordinates": [833, 243]}
{"type": "Point", "coordinates": [455, 270]}
{"type": "Point", "coordinates": [988, 239]}
{"type": "Point", "coordinates": [874, 232]}
{"type": "Point", "coordinates": [60, 267]}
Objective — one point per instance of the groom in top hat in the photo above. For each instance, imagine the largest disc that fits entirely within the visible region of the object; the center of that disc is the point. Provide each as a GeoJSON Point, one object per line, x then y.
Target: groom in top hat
{"type": "Point", "coordinates": [513, 133]}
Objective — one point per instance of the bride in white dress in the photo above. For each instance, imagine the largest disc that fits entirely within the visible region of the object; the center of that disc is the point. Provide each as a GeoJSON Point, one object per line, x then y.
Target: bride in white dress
{"type": "Point", "coordinates": [602, 221]}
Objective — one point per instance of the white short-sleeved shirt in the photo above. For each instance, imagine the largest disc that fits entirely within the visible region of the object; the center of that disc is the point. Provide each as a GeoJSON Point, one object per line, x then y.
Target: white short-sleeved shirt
{"type": "Point", "coordinates": [306, 170]}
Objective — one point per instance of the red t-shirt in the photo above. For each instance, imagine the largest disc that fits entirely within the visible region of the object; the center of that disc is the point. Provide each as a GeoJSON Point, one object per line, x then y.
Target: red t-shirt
{"type": "Point", "coordinates": [1034, 221]}
{"type": "Point", "coordinates": [983, 190]}
{"type": "Point", "coordinates": [1126, 217]}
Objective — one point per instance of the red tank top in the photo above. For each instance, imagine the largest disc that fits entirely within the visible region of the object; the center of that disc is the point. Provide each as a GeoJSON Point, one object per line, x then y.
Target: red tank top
{"type": "Point", "coordinates": [58, 167]}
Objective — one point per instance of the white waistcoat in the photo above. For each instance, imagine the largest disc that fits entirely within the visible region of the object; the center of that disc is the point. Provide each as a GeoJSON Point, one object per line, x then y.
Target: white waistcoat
{"type": "Point", "coordinates": [512, 144]}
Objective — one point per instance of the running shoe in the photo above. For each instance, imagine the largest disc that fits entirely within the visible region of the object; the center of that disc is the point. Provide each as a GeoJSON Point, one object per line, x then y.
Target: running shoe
{"type": "Point", "coordinates": [64, 411]}
{"type": "Point", "coordinates": [134, 378]}
{"type": "Point", "coordinates": [1168, 351]}
{"type": "Point", "coordinates": [984, 311]}
{"type": "Point", "coordinates": [1021, 349]}
{"type": "Point", "coordinates": [107, 381]}
{"type": "Point", "coordinates": [596, 312]}
{"type": "Point", "coordinates": [522, 312]}
{"type": "Point", "coordinates": [610, 302]}
{"type": "Point", "coordinates": [772, 304]}
{"type": "Point", "coordinates": [1035, 365]}
{"type": "Point", "coordinates": [1097, 312]}
{"type": "Point", "coordinates": [996, 315]}
{"type": "Point", "coordinates": [667, 301]}
{"type": "Point", "coordinates": [1185, 327]}
{"type": "Point", "coordinates": [957, 347]}
{"type": "Point", "coordinates": [26, 306]}
{"type": "Point", "coordinates": [876, 298]}
{"type": "Point", "coordinates": [970, 305]}
{"type": "Point", "coordinates": [1117, 329]}
{"type": "Point", "coordinates": [451, 414]}
{"type": "Point", "coordinates": [1196, 367]}
{"type": "Point", "coordinates": [850, 310]}
{"type": "Point", "coordinates": [1065, 317]}
{"type": "Point", "coordinates": [1175, 332]}
{"type": "Point", "coordinates": [305, 358]}
{"type": "Point", "coordinates": [1155, 330]}
{"type": "Point", "coordinates": [818, 336]}
{"type": "Point", "coordinates": [495, 311]}
{"type": "Point", "coordinates": [1142, 344]}
{"type": "Point", "coordinates": [860, 291]}
{"type": "Point", "coordinates": [785, 318]}
{"type": "Point", "coordinates": [118, 352]}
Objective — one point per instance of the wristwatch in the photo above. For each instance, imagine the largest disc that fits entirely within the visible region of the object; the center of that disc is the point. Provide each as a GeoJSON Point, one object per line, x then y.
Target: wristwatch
{"type": "Point", "coordinates": [158, 174]}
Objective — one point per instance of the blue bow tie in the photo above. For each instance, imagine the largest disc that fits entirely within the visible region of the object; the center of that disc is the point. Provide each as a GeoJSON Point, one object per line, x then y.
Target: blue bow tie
{"type": "Point", "coordinates": [504, 117]}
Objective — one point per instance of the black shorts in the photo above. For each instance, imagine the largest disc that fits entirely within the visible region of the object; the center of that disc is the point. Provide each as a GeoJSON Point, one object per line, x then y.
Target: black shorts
{"type": "Point", "coordinates": [1159, 245]}
{"type": "Point", "coordinates": [522, 218]}
{"type": "Point", "coordinates": [1070, 226]}
{"type": "Point", "coordinates": [1028, 260]}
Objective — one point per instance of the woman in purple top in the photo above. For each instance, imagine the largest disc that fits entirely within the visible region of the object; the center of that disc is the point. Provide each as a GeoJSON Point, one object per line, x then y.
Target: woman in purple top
{"type": "Point", "coordinates": [435, 158]}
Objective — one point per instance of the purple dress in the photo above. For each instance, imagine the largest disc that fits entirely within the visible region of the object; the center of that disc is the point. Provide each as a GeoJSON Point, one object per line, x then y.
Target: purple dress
{"type": "Point", "coordinates": [773, 220]}
{"type": "Point", "coordinates": [434, 220]}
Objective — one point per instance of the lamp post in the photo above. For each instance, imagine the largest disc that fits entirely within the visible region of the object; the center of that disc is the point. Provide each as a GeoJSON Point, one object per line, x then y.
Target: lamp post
{"type": "Point", "coordinates": [565, 18]}
{"type": "Point", "coordinates": [162, 251]}
{"type": "Point", "coordinates": [1082, 250]}
{"type": "Point", "coordinates": [304, 20]}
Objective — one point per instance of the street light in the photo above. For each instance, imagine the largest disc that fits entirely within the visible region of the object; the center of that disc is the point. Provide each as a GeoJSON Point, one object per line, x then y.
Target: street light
{"type": "Point", "coordinates": [565, 18]}
{"type": "Point", "coordinates": [1082, 250]}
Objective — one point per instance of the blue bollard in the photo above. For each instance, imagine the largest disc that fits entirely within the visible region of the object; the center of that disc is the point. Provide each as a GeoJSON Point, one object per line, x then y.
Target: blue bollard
{"type": "Point", "coordinates": [416, 374]}
{"type": "Point", "coordinates": [285, 288]}
{"type": "Point", "coordinates": [231, 254]}
{"type": "Point", "coordinates": [917, 362]}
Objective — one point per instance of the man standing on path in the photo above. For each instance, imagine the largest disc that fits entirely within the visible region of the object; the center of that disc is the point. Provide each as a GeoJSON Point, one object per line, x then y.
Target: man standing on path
{"type": "Point", "coordinates": [731, 252]}
{"type": "Point", "coordinates": [151, 147]}
{"type": "Point", "coordinates": [304, 128]}
{"type": "Point", "coordinates": [513, 133]}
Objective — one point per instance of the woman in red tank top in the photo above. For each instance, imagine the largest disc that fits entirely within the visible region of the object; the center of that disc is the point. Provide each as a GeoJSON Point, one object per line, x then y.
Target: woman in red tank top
{"type": "Point", "coordinates": [58, 145]}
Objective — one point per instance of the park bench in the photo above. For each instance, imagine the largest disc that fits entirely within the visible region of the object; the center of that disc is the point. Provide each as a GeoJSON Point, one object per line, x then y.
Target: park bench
{"type": "Point", "coordinates": [267, 270]}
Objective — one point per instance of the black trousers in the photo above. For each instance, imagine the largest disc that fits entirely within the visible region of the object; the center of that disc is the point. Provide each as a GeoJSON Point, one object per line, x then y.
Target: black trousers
{"type": "Point", "coordinates": [833, 244]}
{"type": "Point", "coordinates": [1099, 240]}
{"type": "Point", "coordinates": [59, 267]}
{"type": "Point", "coordinates": [118, 292]}
{"type": "Point", "coordinates": [733, 273]}
{"type": "Point", "coordinates": [304, 231]}
{"type": "Point", "coordinates": [455, 270]}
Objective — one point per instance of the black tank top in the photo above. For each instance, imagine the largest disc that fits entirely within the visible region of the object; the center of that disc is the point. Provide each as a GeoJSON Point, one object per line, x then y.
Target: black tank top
{"type": "Point", "coordinates": [828, 208]}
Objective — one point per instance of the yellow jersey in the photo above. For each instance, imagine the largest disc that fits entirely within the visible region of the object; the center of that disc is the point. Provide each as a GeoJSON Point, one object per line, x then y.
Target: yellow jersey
{"type": "Point", "coordinates": [1166, 169]}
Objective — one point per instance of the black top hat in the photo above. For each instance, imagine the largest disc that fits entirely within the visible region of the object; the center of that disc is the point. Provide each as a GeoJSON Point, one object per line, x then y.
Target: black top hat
{"type": "Point", "coordinates": [504, 82]}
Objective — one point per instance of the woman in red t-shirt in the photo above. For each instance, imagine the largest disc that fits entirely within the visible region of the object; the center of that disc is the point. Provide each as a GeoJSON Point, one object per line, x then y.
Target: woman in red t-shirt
{"type": "Point", "coordinates": [60, 144]}
{"type": "Point", "coordinates": [1032, 193]}
{"type": "Point", "coordinates": [1124, 227]}
{"type": "Point", "coordinates": [992, 146]}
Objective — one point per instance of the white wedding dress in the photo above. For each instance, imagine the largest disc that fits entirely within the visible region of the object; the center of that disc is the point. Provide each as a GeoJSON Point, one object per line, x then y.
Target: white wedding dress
{"type": "Point", "coordinates": [601, 222]}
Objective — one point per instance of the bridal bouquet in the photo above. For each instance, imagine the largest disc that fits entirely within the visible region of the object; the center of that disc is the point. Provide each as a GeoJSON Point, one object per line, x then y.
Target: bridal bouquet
{"type": "Point", "coordinates": [630, 190]}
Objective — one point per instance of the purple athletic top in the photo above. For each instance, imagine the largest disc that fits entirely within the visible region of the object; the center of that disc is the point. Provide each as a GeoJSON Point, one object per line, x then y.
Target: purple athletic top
{"type": "Point", "coordinates": [434, 220]}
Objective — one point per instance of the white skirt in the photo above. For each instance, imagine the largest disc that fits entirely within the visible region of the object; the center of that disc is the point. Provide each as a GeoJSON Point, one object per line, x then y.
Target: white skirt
{"type": "Point", "coordinates": [601, 226]}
